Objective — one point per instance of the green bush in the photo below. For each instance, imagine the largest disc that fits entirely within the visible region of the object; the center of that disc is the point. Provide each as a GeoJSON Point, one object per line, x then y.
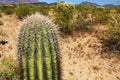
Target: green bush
{"type": "Point", "coordinates": [101, 17]}
{"type": "Point", "coordinates": [43, 9]}
{"type": "Point", "coordinates": [64, 16]}
{"type": "Point", "coordinates": [82, 24]}
{"type": "Point", "coordinates": [114, 31]}
{"type": "Point", "coordinates": [84, 10]}
{"type": "Point", "coordinates": [8, 9]}
{"type": "Point", "coordinates": [24, 10]}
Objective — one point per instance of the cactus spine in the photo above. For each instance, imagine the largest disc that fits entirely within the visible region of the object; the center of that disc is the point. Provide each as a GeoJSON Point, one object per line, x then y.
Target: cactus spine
{"type": "Point", "coordinates": [38, 49]}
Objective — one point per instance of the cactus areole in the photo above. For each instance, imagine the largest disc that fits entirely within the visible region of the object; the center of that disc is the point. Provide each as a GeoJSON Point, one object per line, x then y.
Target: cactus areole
{"type": "Point", "coordinates": [38, 51]}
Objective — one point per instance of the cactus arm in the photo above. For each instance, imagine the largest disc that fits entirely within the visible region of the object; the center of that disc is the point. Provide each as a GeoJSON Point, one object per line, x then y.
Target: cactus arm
{"type": "Point", "coordinates": [45, 75]}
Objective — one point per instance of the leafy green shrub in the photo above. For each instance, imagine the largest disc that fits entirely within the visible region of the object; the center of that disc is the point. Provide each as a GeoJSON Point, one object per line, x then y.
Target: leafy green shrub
{"type": "Point", "coordinates": [43, 9]}
{"type": "Point", "coordinates": [8, 9]}
{"type": "Point", "coordinates": [24, 10]}
{"type": "Point", "coordinates": [84, 10]}
{"type": "Point", "coordinates": [38, 49]}
{"type": "Point", "coordinates": [64, 16]}
{"type": "Point", "coordinates": [100, 15]}
{"type": "Point", "coordinates": [8, 68]}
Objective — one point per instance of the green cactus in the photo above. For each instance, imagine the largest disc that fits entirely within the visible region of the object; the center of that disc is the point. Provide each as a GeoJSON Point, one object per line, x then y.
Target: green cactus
{"type": "Point", "coordinates": [38, 49]}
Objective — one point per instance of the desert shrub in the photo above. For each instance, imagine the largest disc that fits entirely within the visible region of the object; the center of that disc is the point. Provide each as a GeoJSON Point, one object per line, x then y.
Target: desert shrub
{"type": "Point", "coordinates": [85, 10]}
{"type": "Point", "coordinates": [82, 24]}
{"type": "Point", "coordinates": [64, 17]}
{"type": "Point", "coordinates": [112, 36]}
{"type": "Point", "coordinates": [0, 8]}
{"type": "Point", "coordinates": [0, 15]}
{"type": "Point", "coordinates": [101, 17]}
{"type": "Point", "coordinates": [8, 9]}
{"type": "Point", "coordinates": [24, 10]}
{"type": "Point", "coordinates": [43, 9]}
{"type": "Point", "coordinates": [115, 8]}
{"type": "Point", "coordinates": [8, 68]}
{"type": "Point", "coordinates": [1, 23]}
{"type": "Point", "coordinates": [115, 29]}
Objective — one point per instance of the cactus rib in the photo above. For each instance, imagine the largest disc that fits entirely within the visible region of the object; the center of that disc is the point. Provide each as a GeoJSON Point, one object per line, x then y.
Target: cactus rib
{"type": "Point", "coordinates": [55, 40]}
{"type": "Point", "coordinates": [45, 76]}
{"type": "Point", "coordinates": [35, 56]}
{"type": "Point", "coordinates": [52, 56]}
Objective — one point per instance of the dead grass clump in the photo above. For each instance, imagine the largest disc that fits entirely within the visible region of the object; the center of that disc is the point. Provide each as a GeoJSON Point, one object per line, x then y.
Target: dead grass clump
{"type": "Point", "coordinates": [83, 58]}
{"type": "Point", "coordinates": [8, 67]}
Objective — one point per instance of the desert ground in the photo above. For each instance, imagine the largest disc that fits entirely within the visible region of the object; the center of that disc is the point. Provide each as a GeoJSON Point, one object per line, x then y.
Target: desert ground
{"type": "Point", "coordinates": [82, 54]}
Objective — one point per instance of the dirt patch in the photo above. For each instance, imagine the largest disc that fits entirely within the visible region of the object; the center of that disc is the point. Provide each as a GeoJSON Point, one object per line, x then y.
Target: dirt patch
{"type": "Point", "coordinates": [8, 35]}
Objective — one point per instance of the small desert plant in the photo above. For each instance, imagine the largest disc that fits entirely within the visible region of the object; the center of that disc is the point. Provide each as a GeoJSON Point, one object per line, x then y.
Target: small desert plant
{"type": "Point", "coordinates": [43, 9]}
{"type": "Point", "coordinates": [82, 24]}
{"type": "Point", "coordinates": [1, 23]}
{"type": "Point", "coordinates": [115, 29]}
{"type": "Point", "coordinates": [8, 68]}
{"type": "Point", "coordinates": [8, 9]}
{"type": "Point", "coordinates": [112, 35]}
{"type": "Point", "coordinates": [38, 49]}
{"type": "Point", "coordinates": [84, 10]}
{"type": "Point", "coordinates": [23, 10]}
{"type": "Point", "coordinates": [0, 15]}
{"type": "Point", "coordinates": [64, 16]}
{"type": "Point", "coordinates": [101, 17]}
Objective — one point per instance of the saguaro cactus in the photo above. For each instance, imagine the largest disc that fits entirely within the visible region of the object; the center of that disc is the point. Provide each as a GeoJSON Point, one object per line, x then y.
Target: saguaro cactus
{"type": "Point", "coordinates": [38, 49]}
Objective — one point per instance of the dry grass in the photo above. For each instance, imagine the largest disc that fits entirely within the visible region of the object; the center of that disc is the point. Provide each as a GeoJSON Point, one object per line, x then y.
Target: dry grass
{"type": "Point", "coordinates": [81, 54]}
{"type": "Point", "coordinates": [8, 32]}
{"type": "Point", "coordinates": [83, 59]}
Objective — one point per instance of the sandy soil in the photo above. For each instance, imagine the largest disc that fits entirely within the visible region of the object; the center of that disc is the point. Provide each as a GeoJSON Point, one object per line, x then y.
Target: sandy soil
{"type": "Point", "coordinates": [82, 57]}
{"type": "Point", "coordinates": [8, 32]}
